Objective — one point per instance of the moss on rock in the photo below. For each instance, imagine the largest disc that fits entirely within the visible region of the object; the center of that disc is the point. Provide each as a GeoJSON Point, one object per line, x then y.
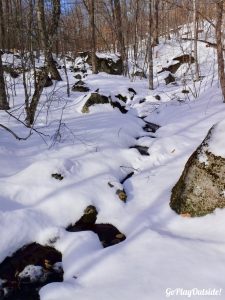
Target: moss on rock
{"type": "Point", "coordinates": [200, 189]}
{"type": "Point", "coordinates": [94, 98]}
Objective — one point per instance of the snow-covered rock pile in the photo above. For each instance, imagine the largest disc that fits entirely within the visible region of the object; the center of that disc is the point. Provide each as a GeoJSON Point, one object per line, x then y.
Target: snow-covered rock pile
{"type": "Point", "coordinates": [106, 62]}
{"type": "Point", "coordinates": [27, 270]}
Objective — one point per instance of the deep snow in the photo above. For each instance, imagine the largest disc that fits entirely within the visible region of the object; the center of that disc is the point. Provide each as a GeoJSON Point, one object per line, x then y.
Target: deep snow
{"type": "Point", "coordinates": [162, 250]}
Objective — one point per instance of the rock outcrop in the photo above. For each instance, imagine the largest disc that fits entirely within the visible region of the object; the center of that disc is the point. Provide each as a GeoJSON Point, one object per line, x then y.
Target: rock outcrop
{"type": "Point", "coordinates": [96, 98]}
{"type": "Point", "coordinates": [80, 86]}
{"type": "Point", "coordinates": [201, 187]}
{"type": "Point", "coordinates": [177, 62]}
{"type": "Point", "coordinates": [48, 82]}
{"type": "Point", "coordinates": [111, 64]}
{"type": "Point", "coordinates": [175, 65]}
{"type": "Point", "coordinates": [93, 99]}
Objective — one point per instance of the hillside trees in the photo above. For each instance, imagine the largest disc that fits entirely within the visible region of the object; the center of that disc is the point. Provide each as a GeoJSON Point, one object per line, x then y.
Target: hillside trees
{"type": "Point", "coordinates": [132, 27]}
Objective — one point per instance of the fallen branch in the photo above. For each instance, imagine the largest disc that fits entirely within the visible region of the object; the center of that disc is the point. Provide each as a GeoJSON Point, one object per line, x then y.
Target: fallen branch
{"type": "Point", "coordinates": [15, 135]}
{"type": "Point", "coordinates": [214, 45]}
{"type": "Point", "coordinates": [41, 134]}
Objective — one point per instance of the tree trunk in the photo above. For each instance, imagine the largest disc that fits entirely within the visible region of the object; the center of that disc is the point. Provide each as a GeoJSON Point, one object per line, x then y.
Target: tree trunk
{"type": "Point", "coordinates": [8, 24]}
{"type": "Point", "coordinates": [150, 56]}
{"type": "Point", "coordinates": [31, 109]}
{"type": "Point", "coordinates": [120, 36]}
{"type": "Point", "coordinates": [4, 105]}
{"type": "Point", "coordinates": [195, 17]}
{"type": "Point", "coordinates": [52, 66]}
{"type": "Point", "coordinates": [3, 97]}
{"type": "Point", "coordinates": [2, 28]}
{"type": "Point", "coordinates": [47, 37]}
{"type": "Point", "coordinates": [136, 32]}
{"type": "Point", "coordinates": [219, 48]}
{"type": "Point", "coordinates": [93, 37]}
{"type": "Point", "coordinates": [156, 35]}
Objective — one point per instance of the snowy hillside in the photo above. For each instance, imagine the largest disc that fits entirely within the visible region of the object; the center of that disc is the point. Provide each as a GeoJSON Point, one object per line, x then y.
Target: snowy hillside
{"type": "Point", "coordinates": [162, 251]}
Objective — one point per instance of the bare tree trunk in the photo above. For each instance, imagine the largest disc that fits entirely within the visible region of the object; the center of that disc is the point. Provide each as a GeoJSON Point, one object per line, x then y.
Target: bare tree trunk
{"type": "Point", "coordinates": [2, 27]}
{"type": "Point", "coordinates": [93, 37]}
{"type": "Point", "coordinates": [7, 12]}
{"type": "Point", "coordinates": [120, 36]}
{"type": "Point", "coordinates": [150, 55]}
{"type": "Point", "coordinates": [32, 107]}
{"type": "Point", "coordinates": [195, 17]}
{"type": "Point", "coordinates": [219, 48]}
{"type": "Point", "coordinates": [136, 32]}
{"type": "Point", "coordinates": [47, 38]}
{"type": "Point", "coordinates": [156, 35]}
{"type": "Point", "coordinates": [3, 97]}
{"type": "Point", "coordinates": [4, 105]}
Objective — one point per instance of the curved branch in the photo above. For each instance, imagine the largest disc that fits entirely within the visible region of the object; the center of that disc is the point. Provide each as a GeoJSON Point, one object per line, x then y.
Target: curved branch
{"type": "Point", "coordinates": [15, 135]}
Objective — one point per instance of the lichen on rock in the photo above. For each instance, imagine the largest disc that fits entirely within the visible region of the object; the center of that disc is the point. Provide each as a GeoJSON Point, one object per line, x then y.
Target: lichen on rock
{"type": "Point", "coordinates": [93, 99]}
{"type": "Point", "coordinates": [200, 189]}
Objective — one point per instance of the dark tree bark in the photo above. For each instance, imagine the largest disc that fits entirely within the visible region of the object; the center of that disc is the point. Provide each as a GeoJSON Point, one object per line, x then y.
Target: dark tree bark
{"type": "Point", "coordinates": [195, 19]}
{"type": "Point", "coordinates": [120, 36]}
{"type": "Point", "coordinates": [93, 37]}
{"type": "Point", "coordinates": [219, 48]}
{"type": "Point", "coordinates": [48, 36]}
{"type": "Point", "coordinates": [156, 35]}
{"type": "Point", "coordinates": [2, 27]}
{"type": "Point", "coordinates": [150, 55]}
{"type": "Point", "coordinates": [3, 97]}
{"type": "Point", "coordinates": [4, 105]}
{"type": "Point", "coordinates": [7, 12]}
{"type": "Point", "coordinates": [32, 107]}
{"type": "Point", "coordinates": [136, 31]}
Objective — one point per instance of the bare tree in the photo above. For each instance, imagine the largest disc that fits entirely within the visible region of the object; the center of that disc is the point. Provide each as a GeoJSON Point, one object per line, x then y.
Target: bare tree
{"type": "Point", "coordinates": [93, 37]}
{"type": "Point", "coordinates": [48, 36]}
{"type": "Point", "coordinates": [156, 29]}
{"type": "Point", "coordinates": [4, 105]}
{"type": "Point", "coordinates": [2, 27]}
{"type": "Point", "coordinates": [3, 97]}
{"type": "Point", "coordinates": [118, 18]}
{"type": "Point", "coordinates": [136, 31]}
{"type": "Point", "coordinates": [219, 47]}
{"type": "Point", "coordinates": [150, 55]}
{"type": "Point", "coordinates": [32, 106]}
{"type": "Point", "coordinates": [195, 23]}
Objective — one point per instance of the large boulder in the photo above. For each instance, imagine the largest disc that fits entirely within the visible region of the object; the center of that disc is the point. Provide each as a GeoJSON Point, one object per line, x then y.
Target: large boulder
{"type": "Point", "coordinates": [177, 62]}
{"type": "Point", "coordinates": [175, 65]}
{"type": "Point", "coordinates": [169, 78]}
{"type": "Point", "coordinates": [80, 86]}
{"type": "Point", "coordinates": [201, 187]}
{"type": "Point", "coordinates": [48, 82]}
{"type": "Point", "coordinates": [96, 98]}
{"type": "Point", "coordinates": [93, 99]}
{"type": "Point", "coordinates": [108, 63]}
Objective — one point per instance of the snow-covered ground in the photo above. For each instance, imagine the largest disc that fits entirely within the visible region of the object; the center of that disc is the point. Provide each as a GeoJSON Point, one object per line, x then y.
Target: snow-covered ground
{"type": "Point", "coordinates": [163, 251]}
